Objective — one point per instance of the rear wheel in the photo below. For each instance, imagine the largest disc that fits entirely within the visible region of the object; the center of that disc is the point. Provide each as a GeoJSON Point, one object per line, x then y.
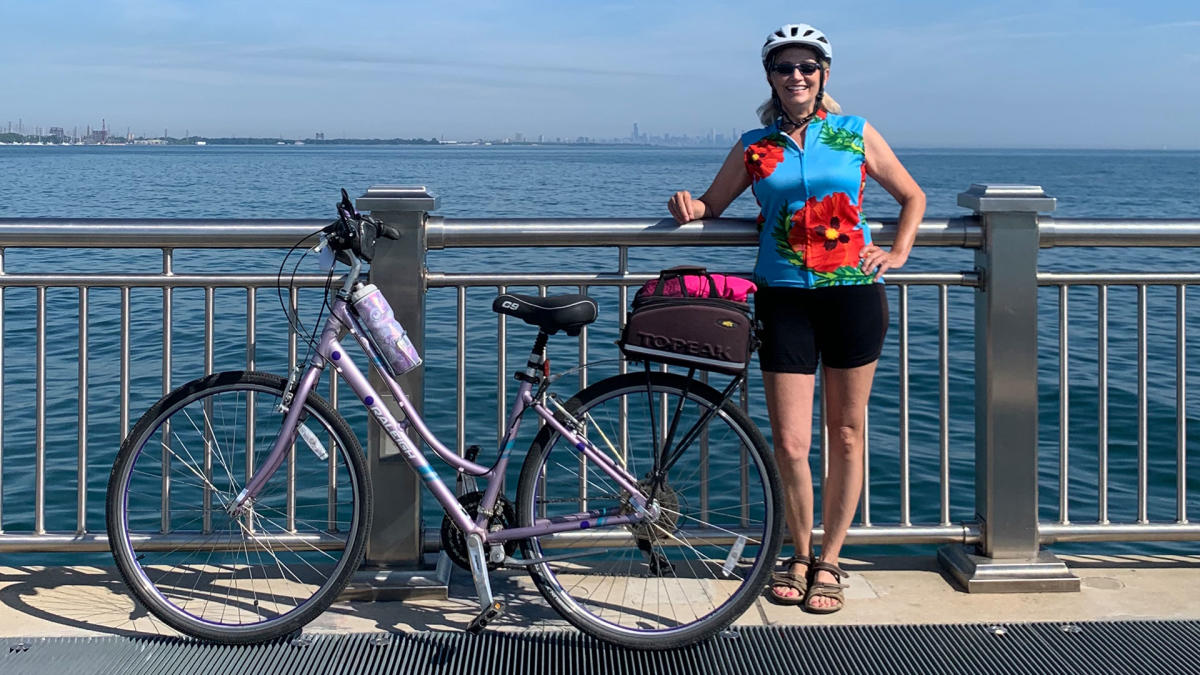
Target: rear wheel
{"type": "Point", "coordinates": [685, 574]}
{"type": "Point", "coordinates": [254, 576]}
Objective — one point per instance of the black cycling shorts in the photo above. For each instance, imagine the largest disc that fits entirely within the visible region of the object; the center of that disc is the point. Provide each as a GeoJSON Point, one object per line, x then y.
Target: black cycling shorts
{"type": "Point", "coordinates": [840, 326]}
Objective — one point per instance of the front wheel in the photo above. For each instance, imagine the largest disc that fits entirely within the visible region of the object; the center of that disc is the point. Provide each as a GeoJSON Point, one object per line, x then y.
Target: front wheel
{"type": "Point", "coordinates": [682, 576]}
{"type": "Point", "coordinates": [236, 578]}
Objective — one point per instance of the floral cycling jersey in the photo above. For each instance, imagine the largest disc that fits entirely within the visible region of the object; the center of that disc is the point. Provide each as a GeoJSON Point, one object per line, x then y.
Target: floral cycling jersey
{"type": "Point", "coordinates": [811, 227]}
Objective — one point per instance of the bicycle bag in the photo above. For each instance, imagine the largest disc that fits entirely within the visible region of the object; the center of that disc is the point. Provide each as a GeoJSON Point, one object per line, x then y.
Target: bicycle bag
{"type": "Point", "coordinates": [670, 325]}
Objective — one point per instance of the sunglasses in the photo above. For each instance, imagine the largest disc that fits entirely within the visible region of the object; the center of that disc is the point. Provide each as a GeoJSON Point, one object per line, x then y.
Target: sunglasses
{"type": "Point", "coordinates": [806, 68]}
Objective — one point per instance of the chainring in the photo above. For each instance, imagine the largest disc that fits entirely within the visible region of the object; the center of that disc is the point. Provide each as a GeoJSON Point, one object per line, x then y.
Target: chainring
{"type": "Point", "coordinates": [454, 542]}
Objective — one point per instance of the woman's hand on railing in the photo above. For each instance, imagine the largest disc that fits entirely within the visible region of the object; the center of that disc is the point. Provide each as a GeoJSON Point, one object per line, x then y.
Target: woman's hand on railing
{"type": "Point", "coordinates": [684, 208]}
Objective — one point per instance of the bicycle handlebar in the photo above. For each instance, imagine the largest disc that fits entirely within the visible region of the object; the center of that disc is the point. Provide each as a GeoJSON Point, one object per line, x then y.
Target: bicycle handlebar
{"type": "Point", "coordinates": [355, 233]}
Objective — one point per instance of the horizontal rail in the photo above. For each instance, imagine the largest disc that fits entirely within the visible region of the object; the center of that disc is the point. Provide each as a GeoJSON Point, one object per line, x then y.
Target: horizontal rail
{"type": "Point", "coordinates": [159, 280]}
{"type": "Point", "coordinates": [515, 232]}
{"type": "Point", "coordinates": [1118, 232]}
{"type": "Point", "coordinates": [52, 542]}
{"type": "Point", "coordinates": [1116, 278]}
{"type": "Point", "coordinates": [966, 533]}
{"type": "Point", "coordinates": [155, 232]}
{"type": "Point", "coordinates": [1052, 533]}
{"type": "Point", "coordinates": [456, 279]}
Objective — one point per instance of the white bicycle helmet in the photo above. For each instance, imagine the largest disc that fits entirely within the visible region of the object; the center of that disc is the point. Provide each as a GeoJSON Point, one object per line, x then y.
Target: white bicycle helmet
{"type": "Point", "coordinates": [797, 34]}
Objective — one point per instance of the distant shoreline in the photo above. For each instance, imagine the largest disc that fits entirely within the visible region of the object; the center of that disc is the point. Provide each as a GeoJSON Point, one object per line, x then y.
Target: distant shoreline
{"type": "Point", "coordinates": [500, 144]}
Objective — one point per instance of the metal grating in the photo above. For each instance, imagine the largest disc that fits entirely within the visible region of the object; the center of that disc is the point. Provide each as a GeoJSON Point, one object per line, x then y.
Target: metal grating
{"type": "Point", "coordinates": [1093, 647]}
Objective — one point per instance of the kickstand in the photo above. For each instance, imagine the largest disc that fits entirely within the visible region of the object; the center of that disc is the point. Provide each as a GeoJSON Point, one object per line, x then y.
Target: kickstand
{"type": "Point", "coordinates": [490, 608]}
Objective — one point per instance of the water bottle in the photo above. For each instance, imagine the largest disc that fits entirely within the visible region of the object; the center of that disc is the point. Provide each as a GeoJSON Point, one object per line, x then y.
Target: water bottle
{"type": "Point", "coordinates": [390, 339]}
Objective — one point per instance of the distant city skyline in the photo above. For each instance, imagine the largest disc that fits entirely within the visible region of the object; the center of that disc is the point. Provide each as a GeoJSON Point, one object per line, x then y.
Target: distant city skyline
{"type": "Point", "coordinates": [927, 73]}
{"type": "Point", "coordinates": [104, 132]}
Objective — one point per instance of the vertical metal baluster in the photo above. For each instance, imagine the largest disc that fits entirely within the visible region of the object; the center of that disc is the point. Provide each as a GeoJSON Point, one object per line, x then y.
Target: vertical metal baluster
{"type": "Point", "coordinates": [1181, 403]}
{"type": "Point", "coordinates": [460, 371]}
{"type": "Point", "coordinates": [541, 423]}
{"type": "Point", "coordinates": [168, 271]}
{"type": "Point", "coordinates": [583, 347]}
{"type": "Point", "coordinates": [2, 289]}
{"type": "Point", "coordinates": [583, 383]}
{"type": "Point", "coordinates": [623, 366]}
{"type": "Point", "coordinates": [251, 411]}
{"type": "Point", "coordinates": [209, 329]}
{"type": "Point", "coordinates": [1102, 402]}
{"type": "Point", "coordinates": [1143, 445]}
{"type": "Point", "coordinates": [865, 499]}
{"type": "Point", "coordinates": [39, 499]}
{"type": "Point", "coordinates": [944, 398]}
{"type": "Point", "coordinates": [124, 361]}
{"type": "Point", "coordinates": [81, 468]}
{"type": "Point", "coordinates": [1064, 400]}
{"type": "Point", "coordinates": [294, 299]}
{"type": "Point", "coordinates": [209, 340]}
{"type": "Point", "coordinates": [905, 480]}
{"type": "Point", "coordinates": [745, 461]}
{"type": "Point", "coordinates": [331, 513]}
{"type": "Point", "coordinates": [501, 368]}
{"type": "Point", "coordinates": [704, 462]}
{"type": "Point", "coordinates": [823, 425]}
{"type": "Point", "coordinates": [251, 326]}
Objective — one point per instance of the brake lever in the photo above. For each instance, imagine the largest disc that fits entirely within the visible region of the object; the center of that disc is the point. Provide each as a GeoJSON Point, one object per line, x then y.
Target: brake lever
{"type": "Point", "coordinates": [389, 232]}
{"type": "Point", "coordinates": [348, 206]}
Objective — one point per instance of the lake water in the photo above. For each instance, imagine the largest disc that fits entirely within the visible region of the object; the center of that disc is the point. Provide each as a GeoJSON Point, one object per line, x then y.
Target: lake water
{"type": "Point", "coordinates": [581, 181]}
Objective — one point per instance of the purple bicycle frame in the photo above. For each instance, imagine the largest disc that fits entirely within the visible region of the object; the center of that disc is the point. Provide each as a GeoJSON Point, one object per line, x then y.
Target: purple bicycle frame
{"type": "Point", "coordinates": [330, 351]}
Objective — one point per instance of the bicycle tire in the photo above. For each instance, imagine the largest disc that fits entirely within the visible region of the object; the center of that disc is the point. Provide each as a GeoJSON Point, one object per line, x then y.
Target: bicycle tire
{"type": "Point", "coordinates": [260, 575]}
{"type": "Point", "coordinates": [625, 584]}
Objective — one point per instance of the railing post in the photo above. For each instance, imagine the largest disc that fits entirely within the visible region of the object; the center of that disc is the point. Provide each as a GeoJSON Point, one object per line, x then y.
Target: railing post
{"type": "Point", "coordinates": [399, 272]}
{"type": "Point", "coordinates": [1009, 557]}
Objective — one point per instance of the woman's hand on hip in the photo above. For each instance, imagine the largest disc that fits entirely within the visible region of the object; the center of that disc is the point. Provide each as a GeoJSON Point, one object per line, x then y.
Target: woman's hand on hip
{"type": "Point", "coordinates": [684, 208]}
{"type": "Point", "coordinates": [875, 259]}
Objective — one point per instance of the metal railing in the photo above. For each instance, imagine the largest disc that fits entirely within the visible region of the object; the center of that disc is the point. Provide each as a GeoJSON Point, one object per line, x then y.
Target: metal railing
{"type": "Point", "coordinates": [166, 236]}
{"type": "Point", "coordinates": [1005, 499]}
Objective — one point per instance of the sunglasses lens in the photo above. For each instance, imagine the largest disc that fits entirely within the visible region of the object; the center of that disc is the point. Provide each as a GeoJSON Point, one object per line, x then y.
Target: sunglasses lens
{"type": "Point", "coordinates": [787, 68]}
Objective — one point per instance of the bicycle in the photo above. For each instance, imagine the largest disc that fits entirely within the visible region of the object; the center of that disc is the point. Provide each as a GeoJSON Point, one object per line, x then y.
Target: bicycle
{"type": "Point", "coordinates": [624, 516]}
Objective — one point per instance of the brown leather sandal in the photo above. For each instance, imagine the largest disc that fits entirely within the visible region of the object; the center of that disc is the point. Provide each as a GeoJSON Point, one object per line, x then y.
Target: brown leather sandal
{"type": "Point", "coordinates": [796, 582]}
{"type": "Point", "coordinates": [819, 589]}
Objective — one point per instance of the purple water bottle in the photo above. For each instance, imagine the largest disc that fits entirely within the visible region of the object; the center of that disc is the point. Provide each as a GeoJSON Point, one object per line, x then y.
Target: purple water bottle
{"type": "Point", "coordinates": [390, 339]}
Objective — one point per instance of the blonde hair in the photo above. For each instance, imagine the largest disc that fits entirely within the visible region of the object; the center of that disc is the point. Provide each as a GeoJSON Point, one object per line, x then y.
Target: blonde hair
{"type": "Point", "coordinates": [770, 111]}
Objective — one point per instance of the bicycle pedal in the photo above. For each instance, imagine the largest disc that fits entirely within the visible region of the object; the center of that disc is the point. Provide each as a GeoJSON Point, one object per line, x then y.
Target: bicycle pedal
{"type": "Point", "coordinates": [489, 614]}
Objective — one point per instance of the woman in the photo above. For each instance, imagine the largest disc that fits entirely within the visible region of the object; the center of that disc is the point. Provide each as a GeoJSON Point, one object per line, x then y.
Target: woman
{"type": "Point", "coordinates": [821, 297]}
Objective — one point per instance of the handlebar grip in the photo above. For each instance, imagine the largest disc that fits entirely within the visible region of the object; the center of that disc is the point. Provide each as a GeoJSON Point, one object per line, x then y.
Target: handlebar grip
{"type": "Point", "coordinates": [389, 232]}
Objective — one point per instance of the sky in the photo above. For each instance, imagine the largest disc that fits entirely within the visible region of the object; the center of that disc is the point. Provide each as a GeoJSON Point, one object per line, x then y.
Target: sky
{"type": "Point", "coordinates": [926, 73]}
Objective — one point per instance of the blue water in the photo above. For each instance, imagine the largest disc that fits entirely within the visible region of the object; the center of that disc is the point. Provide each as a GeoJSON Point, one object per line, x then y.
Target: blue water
{"type": "Point", "coordinates": [302, 182]}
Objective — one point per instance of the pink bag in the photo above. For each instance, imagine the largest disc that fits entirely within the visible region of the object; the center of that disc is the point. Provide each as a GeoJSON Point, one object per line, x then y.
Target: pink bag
{"type": "Point", "coordinates": [698, 283]}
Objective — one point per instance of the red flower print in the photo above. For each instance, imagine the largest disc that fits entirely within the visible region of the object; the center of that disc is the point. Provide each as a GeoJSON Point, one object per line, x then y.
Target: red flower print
{"type": "Point", "coordinates": [826, 231]}
{"type": "Point", "coordinates": [761, 158]}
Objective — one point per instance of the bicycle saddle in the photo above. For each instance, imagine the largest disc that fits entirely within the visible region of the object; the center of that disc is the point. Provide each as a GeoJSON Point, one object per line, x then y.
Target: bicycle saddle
{"type": "Point", "coordinates": [551, 313]}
